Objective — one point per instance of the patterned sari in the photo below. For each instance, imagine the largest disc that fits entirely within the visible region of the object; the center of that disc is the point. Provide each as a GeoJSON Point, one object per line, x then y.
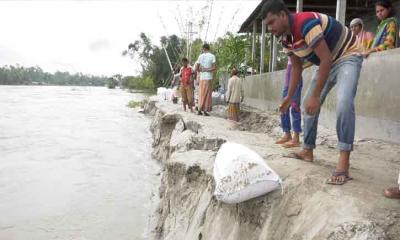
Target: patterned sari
{"type": "Point", "coordinates": [386, 35]}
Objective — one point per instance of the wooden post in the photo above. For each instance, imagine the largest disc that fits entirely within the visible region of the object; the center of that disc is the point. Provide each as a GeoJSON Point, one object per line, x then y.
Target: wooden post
{"type": "Point", "coordinates": [263, 30]}
{"type": "Point", "coordinates": [341, 11]}
{"type": "Point", "coordinates": [253, 45]}
{"type": "Point", "coordinates": [299, 6]}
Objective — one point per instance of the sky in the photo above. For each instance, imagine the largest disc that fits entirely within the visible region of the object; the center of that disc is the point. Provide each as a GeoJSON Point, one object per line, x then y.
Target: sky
{"type": "Point", "coordinates": [89, 36]}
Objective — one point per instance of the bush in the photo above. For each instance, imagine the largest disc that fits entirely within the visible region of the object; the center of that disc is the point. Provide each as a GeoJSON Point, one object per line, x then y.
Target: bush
{"type": "Point", "coordinates": [138, 83]}
{"type": "Point", "coordinates": [112, 83]}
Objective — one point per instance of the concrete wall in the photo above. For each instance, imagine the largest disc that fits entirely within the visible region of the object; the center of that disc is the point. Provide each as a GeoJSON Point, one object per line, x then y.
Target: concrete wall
{"type": "Point", "coordinates": [377, 101]}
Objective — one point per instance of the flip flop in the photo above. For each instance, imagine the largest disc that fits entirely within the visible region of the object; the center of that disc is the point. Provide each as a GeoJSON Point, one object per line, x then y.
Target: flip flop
{"type": "Point", "coordinates": [339, 174]}
{"type": "Point", "coordinates": [298, 157]}
{"type": "Point", "coordinates": [393, 192]}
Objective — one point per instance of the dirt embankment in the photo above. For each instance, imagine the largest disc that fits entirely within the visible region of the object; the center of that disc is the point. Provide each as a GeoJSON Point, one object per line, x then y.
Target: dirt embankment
{"type": "Point", "coordinates": [186, 144]}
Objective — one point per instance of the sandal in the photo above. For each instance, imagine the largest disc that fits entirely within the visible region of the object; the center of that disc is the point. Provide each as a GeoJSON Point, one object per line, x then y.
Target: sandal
{"type": "Point", "coordinates": [336, 174]}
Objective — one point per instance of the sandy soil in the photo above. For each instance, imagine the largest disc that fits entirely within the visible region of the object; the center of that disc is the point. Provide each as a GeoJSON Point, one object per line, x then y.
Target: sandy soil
{"type": "Point", "coordinates": [186, 144]}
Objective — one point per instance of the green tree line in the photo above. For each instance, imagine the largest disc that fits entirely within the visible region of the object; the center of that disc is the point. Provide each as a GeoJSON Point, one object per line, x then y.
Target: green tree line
{"type": "Point", "coordinates": [19, 75]}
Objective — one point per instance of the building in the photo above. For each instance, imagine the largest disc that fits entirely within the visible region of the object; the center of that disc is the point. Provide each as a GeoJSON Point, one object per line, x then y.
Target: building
{"type": "Point", "coordinates": [344, 10]}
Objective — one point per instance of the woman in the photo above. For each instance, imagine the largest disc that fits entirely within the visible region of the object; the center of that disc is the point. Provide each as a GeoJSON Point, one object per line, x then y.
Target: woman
{"type": "Point", "coordinates": [364, 39]}
{"type": "Point", "coordinates": [387, 32]}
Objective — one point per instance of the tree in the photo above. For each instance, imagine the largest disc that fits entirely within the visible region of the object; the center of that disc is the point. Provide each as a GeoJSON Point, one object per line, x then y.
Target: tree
{"type": "Point", "coordinates": [152, 58]}
{"type": "Point", "coordinates": [18, 75]}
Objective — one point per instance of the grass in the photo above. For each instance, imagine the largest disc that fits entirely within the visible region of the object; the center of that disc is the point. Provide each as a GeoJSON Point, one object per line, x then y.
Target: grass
{"type": "Point", "coordinates": [135, 104]}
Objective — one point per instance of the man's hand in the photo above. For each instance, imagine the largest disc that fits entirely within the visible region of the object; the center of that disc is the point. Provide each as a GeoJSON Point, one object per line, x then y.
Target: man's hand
{"type": "Point", "coordinates": [365, 54]}
{"type": "Point", "coordinates": [312, 105]}
{"type": "Point", "coordinates": [284, 105]}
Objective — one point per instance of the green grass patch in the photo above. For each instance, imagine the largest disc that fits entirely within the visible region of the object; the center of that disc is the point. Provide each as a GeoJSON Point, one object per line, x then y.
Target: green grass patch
{"type": "Point", "coordinates": [135, 104]}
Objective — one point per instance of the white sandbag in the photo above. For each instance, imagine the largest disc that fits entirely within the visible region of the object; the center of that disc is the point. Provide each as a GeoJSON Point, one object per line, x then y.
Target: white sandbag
{"type": "Point", "coordinates": [161, 93]}
{"type": "Point", "coordinates": [164, 94]}
{"type": "Point", "coordinates": [241, 174]}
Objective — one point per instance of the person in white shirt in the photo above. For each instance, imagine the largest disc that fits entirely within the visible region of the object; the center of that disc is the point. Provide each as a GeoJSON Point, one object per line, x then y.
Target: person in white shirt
{"type": "Point", "coordinates": [206, 65]}
{"type": "Point", "coordinates": [234, 95]}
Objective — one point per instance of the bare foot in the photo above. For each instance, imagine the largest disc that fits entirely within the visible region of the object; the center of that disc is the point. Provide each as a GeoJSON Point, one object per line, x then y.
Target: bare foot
{"type": "Point", "coordinates": [393, 192]}
{"type": "Point", "coordinates": [286, 138]}
{"type": "Point", "coordinates": [304, 155]}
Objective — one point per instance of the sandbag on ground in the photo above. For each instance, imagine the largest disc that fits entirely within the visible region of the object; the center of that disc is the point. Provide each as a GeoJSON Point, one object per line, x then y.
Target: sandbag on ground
{"type": "Point", "coordinates": [241, 174]}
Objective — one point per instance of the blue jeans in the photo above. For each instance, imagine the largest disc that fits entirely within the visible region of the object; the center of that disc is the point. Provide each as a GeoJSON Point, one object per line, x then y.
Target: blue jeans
{"type": "Point", "coordinates": [294, 108]}
{"type": "Point", "coordinates": [345, 75]}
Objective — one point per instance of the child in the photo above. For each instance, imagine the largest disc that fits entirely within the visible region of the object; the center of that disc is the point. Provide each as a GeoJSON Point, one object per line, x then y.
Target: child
{"type": "Point", "coordinates": [235, 95]}
{"type": "Point", "coordinates": [186, 87]}
{"type": "Point", "coordinates": [287, 140]}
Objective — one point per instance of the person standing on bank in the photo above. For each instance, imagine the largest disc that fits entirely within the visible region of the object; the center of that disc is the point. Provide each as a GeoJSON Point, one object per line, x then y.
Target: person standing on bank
{"type": "Point", "coordinates": [186, 86]}
{"type": "Point", "coordinates": [235, 95]}
{"type": "Point", "coordinates": [323, 41]}
{"type": "Point", "coordinates": [206, 65]}
{"type": "Point", "coordinates": [287, 140]}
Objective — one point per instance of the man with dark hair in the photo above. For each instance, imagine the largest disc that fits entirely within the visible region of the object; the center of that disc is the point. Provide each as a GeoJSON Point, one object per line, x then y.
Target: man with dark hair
{"type": "Point", "coordinates": [316, 38]}
{"type": "Point", "coordinates": [206, 65]}
{"type": "Point", "coordinates": [186, 89]}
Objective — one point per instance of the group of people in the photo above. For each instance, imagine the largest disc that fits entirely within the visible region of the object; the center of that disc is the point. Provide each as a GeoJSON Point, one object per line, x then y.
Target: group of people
{"type": "Point", "coordinates": [195, 84]}
{"type": "Point", "coordinates": [311, 38]}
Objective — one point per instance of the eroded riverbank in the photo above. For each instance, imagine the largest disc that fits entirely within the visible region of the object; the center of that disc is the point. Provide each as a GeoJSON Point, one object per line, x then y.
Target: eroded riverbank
{"type": "Point", "coordinates": [186, 145]}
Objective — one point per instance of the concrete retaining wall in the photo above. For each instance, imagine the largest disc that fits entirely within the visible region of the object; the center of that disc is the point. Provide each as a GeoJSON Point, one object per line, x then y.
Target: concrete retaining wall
{"type": "Point", "coordinates": [377, 101]}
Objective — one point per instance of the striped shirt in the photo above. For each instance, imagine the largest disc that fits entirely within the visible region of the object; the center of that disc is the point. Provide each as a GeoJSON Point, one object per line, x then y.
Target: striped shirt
{"type": "Point", "coordinates": [308, 28]}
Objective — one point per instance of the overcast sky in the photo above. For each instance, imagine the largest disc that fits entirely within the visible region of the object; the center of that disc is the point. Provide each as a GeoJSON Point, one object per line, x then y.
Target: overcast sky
{"type": "Point", "coordinates": [89, 36]}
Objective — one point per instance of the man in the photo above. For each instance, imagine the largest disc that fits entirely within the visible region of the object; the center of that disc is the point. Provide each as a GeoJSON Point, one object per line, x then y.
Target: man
{"type": "Point", "coordinates": [319, 39]}
{"type": "Point", "coordinates": [364, 38]}
{"type": "Point", "coordinates": [206, 66]}
{"type": "Point", "coordinates": [235, 95]}
{"type": "Point", "coordinates": [186, 74]}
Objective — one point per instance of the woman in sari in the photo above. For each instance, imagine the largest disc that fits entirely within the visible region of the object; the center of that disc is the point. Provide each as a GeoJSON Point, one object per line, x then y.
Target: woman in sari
{"type": "Point", "coordinates": [387, 32]}
{"type": "Point", "coordinates": [364, 39]}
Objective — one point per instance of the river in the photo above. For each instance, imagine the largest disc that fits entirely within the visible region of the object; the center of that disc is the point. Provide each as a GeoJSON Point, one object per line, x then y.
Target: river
{"type": "Point", "coordinates": [74, 164]}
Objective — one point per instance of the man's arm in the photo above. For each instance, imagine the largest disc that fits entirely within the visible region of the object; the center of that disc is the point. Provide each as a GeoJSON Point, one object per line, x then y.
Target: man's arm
{"type": "Point", "coordinates": [325, 56]}
{"type": "Point", "coordinates": [213, 68]}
